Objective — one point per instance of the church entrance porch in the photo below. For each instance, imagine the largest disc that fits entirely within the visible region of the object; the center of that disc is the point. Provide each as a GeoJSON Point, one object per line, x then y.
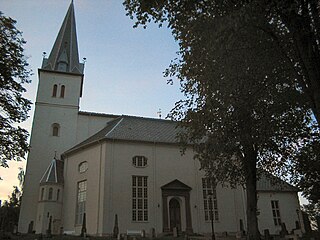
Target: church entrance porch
{"type": "Point", "coordinates": [176, 210]}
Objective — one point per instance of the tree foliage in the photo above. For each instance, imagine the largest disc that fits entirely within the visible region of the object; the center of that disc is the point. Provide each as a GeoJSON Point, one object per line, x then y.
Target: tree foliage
{"type": "Point", "coordinates": [9, 211]}
{"type": "Point", "coordinates": [247, 98]}
{"type": "Point", "coordinates": [313, 211]}
{"type": "Point", "coordinates": [13, 106]}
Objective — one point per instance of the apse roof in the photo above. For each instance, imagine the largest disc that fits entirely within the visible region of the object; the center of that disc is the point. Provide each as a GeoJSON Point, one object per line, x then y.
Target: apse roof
{"type": "Point", "coordinates": [54, 173]}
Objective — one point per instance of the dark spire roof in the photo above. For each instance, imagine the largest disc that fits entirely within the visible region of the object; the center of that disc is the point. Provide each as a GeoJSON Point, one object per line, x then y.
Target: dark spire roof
{"type": "Point", "coordinates": [54, 173]}
{"type": "Point", "coordinates": [64, 56]}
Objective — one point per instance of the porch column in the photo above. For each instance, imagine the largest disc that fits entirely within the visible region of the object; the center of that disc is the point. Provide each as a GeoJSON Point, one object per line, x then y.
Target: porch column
{"type": "Point", "coordinates": [165, 213]}
{"type": "Point", "coordinates": [188, 214]}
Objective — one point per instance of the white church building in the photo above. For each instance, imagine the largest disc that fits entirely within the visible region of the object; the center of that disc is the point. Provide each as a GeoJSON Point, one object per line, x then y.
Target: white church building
{"type": "Point", "coordinates": [125, 166]}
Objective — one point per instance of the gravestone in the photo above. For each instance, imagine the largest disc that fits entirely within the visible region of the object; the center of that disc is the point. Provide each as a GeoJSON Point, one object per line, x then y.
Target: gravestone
{"type": "Point", "coordinates": [284, 230]}
{"type": "Point", "coordinates": [267, 234]}
{"type": "Point", "coordinates": [175, 232]}
{"type": "Point", "coordinates": [152, 233]}
{"type": "Point", "coordinates": [30, 227]}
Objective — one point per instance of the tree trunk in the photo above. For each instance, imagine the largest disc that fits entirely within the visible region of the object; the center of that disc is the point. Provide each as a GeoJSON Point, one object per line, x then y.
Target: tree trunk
{"type": "Point", "coordinates": [251, 193]}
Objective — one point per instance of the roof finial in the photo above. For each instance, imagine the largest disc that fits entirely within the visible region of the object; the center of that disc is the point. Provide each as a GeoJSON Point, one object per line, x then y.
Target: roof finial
{"type": "Point", "coordinates": [159, 113]}
{"type": "Point", "coordinates": [55, 155]}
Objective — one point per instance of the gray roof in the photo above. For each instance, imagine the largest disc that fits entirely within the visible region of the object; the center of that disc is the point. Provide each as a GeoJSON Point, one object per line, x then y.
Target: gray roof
{"type": "Point", "coordinates": [54, 173]}
{"type": "Point", "coordinates": [131, 128]}
{"type": "Point", "coordinates": [270, 183]}
{"type": "Point", "coordinates": [65, 48]}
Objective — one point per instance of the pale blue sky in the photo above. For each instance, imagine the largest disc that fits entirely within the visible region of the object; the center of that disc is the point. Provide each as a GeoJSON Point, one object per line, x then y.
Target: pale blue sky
{"type": "Point", "coordinates": [124, 68]}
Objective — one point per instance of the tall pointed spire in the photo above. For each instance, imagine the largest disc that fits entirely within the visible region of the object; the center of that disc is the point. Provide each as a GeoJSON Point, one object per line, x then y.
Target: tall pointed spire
{"type": "Point", "coordinates": [64, 56]}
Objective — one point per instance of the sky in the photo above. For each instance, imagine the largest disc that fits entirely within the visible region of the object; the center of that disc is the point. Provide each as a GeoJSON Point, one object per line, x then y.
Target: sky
{"type": "Point", "coordinates": [124, 66]}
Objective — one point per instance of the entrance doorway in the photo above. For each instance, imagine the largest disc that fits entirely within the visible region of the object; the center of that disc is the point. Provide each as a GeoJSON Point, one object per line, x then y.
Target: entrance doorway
{"type": "Point", "coordinates": [175, 214]}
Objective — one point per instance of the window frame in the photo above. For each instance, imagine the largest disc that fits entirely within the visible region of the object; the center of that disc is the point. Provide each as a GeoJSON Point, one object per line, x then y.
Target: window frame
{"type": "Point", "coordinates": [276, 216]}
{"type": "Point", "coordinates": [55, 130]}
{"type": "Point", "coordinates": [81, 201]}
{"type": "Point", "coordinates": [50, 193]}
{"type": "Point", "coordinates": [62, 91]}
{"type": "Point", "coordinates": [55, 90]}
{"type": "Point", "coordinates": [83, 167]}
{"type": "Point", "coordinates": [209, 202]}
{"type": "Point", "coordinates": [139, 196]}
{"type": "Point", "coordinates": [139, 161]}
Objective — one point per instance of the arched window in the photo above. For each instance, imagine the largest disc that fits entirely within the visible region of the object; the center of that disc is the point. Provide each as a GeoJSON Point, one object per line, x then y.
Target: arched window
{"type": "Point", "coordinates": [42, 193]}
{"type": "Point", "coordinates": [50, 194]}
{"type": "Point", "coordinates": [63, 88]}
{"type": "Point", "coordinates": [55, 129]}
{"type": "Point", "coordinates": [58, 194]}
{"type": "Point", "coordinates": [54, 90]}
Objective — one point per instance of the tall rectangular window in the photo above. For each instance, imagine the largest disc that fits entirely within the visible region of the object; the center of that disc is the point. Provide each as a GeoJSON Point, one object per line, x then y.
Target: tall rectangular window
{"type": "Point", "coordinates": [139, 198]}
{"type": "Point", "coordinates": [276, 212]}
{"type": "Point", "coordinates": [81, 201]}
{"type": "Point", "coordinates": [209, 200]}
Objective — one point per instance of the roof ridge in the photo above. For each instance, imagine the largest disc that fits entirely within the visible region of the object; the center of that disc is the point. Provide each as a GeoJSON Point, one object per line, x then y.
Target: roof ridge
{"type": "Point", "coordinates": [114, 127]}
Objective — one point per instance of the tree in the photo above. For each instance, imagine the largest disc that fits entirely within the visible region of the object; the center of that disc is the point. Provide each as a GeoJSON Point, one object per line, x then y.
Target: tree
{"type": "Point", "coordinates": [306, 171]}
{"type": "Point", "coordinates": [293, 25]}
{"type": "Point", "coordinates": [313, 211]}
{"type": "Point", "coordinates": [9, 211]}
{"type": "Point", "coordinates": [13, 106]}
{"type": "Point", "coordinates": [245, 108]}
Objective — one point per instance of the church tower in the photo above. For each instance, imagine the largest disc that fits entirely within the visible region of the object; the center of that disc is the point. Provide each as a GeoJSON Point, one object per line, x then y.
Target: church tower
{"type": "Point", "coordinates": [56, 115]}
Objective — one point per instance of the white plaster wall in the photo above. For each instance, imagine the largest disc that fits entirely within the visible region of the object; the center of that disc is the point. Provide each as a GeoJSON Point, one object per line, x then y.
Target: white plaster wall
{"type": "Point", "coordinates": [72, 84]}
{"type": "Point", "coordinates": [49, 110]}
{"type": "Point", "coordinates": [87, 125]}
{"type": "Point", "coordinates": [288, 203]}
{"type": "Point", "coordinates": [165, 164]}
{"type": "Point", "coordinates": [47, 208]}
{"type": "Point", "coordinates": [74, 128]}
{"type": "Point", "coordinates": [94, 179]}
{"type": "Point", "coordinates": [110, 190]}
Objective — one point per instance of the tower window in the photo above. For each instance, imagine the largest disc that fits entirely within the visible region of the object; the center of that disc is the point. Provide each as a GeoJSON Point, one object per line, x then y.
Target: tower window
{"type": "Point", "coordinates": [63, 88]}
{"type": "Point", "coordinates": [55, 129]}
{"type": "Point", "coordinates": [54, 90]}
{"type": "Point", "coordinates": [50, 194]}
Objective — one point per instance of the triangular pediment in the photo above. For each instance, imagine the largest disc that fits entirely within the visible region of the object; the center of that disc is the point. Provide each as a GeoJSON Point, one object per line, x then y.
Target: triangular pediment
{"type": "Point", "coordinates": [176, 185]}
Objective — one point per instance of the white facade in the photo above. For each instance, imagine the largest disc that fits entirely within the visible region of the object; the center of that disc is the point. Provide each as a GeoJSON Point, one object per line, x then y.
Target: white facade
{"type": "Point", "coordinates": [173, 194]}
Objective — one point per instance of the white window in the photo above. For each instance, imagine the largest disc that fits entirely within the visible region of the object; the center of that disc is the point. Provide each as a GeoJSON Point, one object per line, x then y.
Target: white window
{"type": "Point", "coordinates": [209, 200]}
{"type": "Point", "coordinates": [83, 167]}
{"type": "Point", "coordinates": [276, 212]}
{"type": "Point", "coordinates": [81, 201]}
{"type": "Point", "coordinates": [139, 198]}
{"type": "Point", "coordinates": [139, 161]}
